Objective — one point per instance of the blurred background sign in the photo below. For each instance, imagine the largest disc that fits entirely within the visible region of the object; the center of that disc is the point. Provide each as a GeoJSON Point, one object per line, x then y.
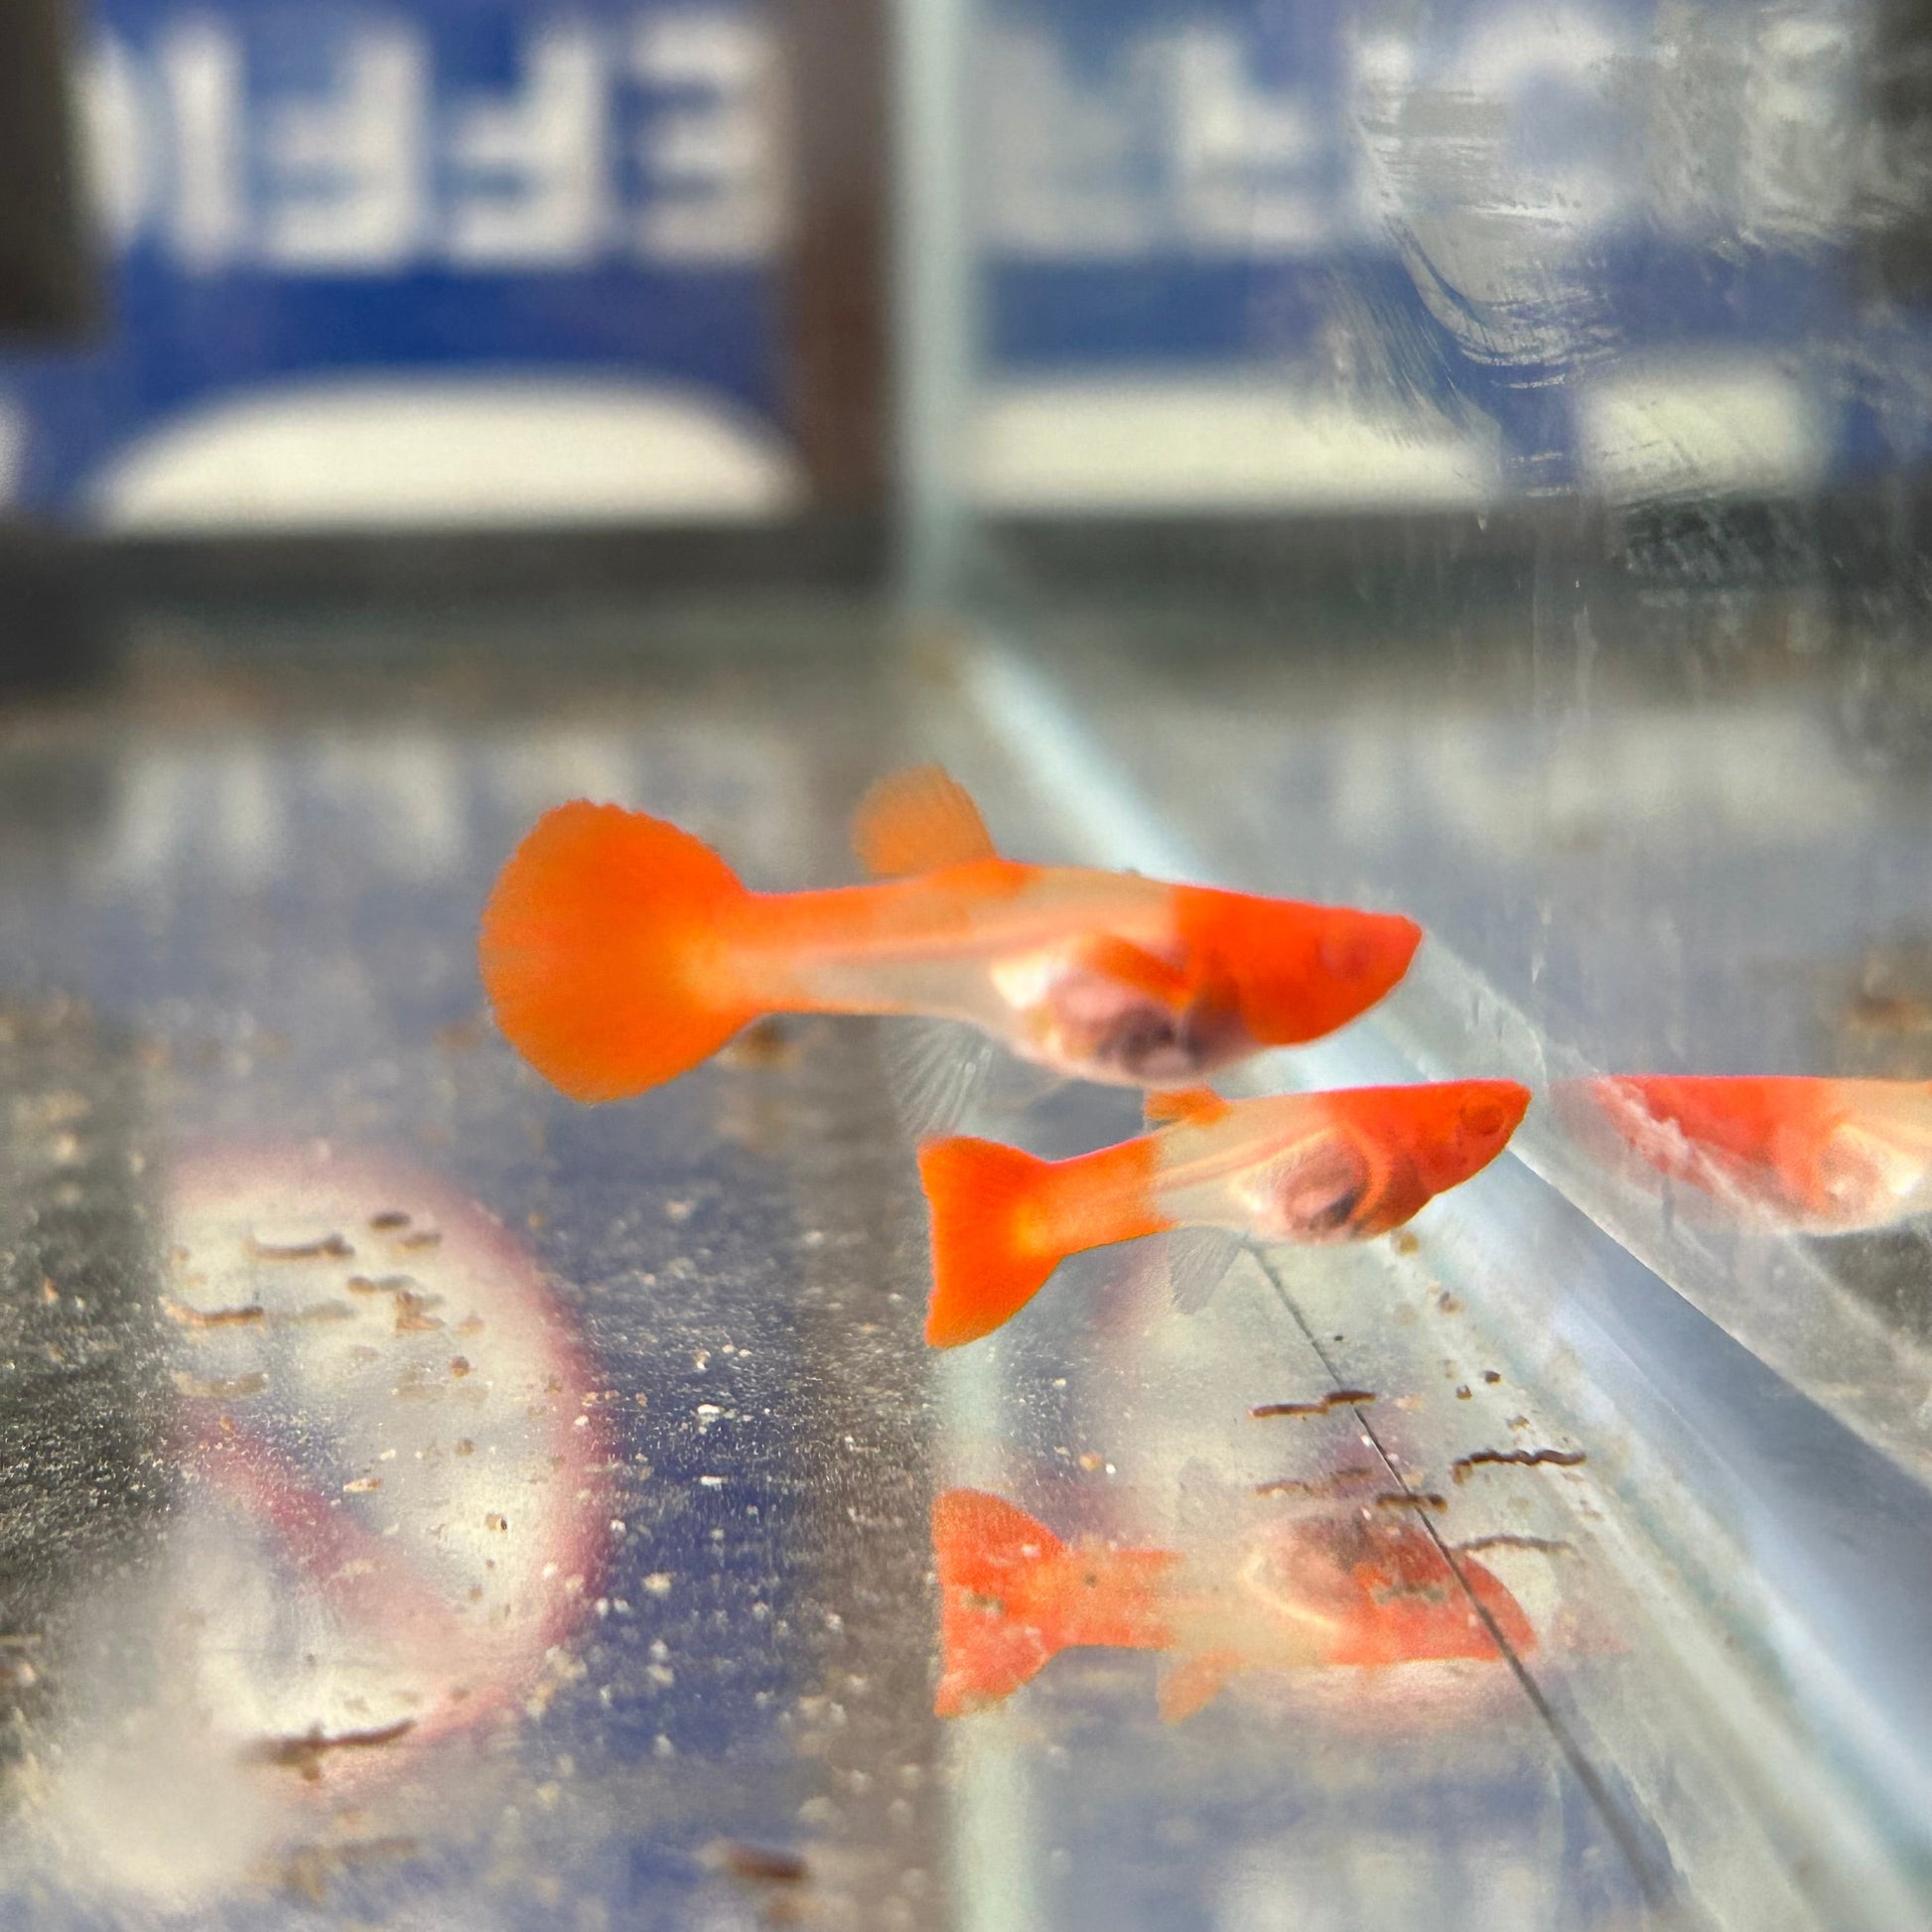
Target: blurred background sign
{"type": "Point", "coordinates": [435, 262]}
{"type": "Point", "coordinates": [1313, 256]}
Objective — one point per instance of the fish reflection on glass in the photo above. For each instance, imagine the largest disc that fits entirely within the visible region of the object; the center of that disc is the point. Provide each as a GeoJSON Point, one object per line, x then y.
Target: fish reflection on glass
{"type": "Point", "coordinates": [1314, 1168]}
{"type": "Point", "coordinates": [1787, 1153]}
{"type": "Point", "coordinates": [1338, 1590]}
{"type": "Point", "coordinates": [619, 951]}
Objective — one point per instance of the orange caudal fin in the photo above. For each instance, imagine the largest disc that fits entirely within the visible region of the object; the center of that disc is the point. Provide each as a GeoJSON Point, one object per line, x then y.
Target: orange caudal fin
{"type": "Point", "coordinates": [600, 951]}
{"type": "Point", "coordinates": [990, 1556]}
{"type": "Point", "coordinates": [992, 1243]}
{"type": "Point", "coordinates": [918, 820]}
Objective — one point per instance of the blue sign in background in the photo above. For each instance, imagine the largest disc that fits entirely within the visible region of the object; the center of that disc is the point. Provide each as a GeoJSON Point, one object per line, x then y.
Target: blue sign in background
{"type": "Point", "coordinates": [1471, 204]}
{"type": "Point", "coordinates": [1476, 208]}
{"type": "Point", "coordinates": [291, 188]}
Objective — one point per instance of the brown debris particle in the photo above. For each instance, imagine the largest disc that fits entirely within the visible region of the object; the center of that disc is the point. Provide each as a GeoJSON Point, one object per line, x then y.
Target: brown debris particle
{"type": "Point", "coordinates": [389, 1220]}
{"type": "Point", "coordinates": [1405, 1241]}
{"type": "Point", "coordinates": [498, 1523]}
{"type": "Point", "coordinates": [1428, 1499]}
{"type": "Point", "coordinates": [459, 1365]}
{"type": "Point", "coordinates": [1463, 1391]}
{"type": "Point", "coordinates": [421, 1238]}
{"type": "Point", "coordinates": [1334, 1399]}
{"type": "Point", "coordinates": [412, 1317]}
{"type": "Point", "coordinates": [1489, 1375]}
{"type": "Point", "coordinates": [1523, 1459]}
{"type": "Point", "coordinates": [361, 1485]}
{"type": "Point", "coordinates": [1503, 1540]}
{"type": "Point", "coordinates": [761, 1864]}
{"type": "Point", "coordinates": [304, 1753]}
{"type": "Point", "coordinates": [412, 1301]}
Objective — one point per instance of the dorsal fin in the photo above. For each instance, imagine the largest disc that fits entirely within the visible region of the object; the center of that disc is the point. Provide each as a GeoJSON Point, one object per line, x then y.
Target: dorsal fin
{"type": "Point", "coordinates": [1198, 1106]}
{"type": "Point", "coordinates": [918, 820]}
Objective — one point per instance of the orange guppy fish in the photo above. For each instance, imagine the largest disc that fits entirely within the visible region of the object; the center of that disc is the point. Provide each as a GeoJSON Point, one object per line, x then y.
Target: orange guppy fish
{"type": "Point", "coordinates": [1812, 1155]}
{"type": "Point", "coordinates": [619, 951]}
{"type": "Point", "coordinates": [1341, 1589]}
{"type": "Point", "coordinates": [1309, 1168]}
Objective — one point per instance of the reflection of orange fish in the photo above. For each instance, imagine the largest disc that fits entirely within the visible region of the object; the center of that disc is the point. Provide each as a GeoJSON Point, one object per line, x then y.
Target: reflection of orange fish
{"type": "Point", "coordinates": [1339, 1590]}
{"type": "Point", "coordinates": [619, 951]}
{"type": "Point", "coordinates": [1304, 1167]}
{"type": "Point", "coordinates": [1820, 1157]}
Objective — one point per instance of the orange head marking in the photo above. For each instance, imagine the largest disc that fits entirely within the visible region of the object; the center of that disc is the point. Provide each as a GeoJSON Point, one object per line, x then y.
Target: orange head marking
{"type": "Point", "coordinates": [1460, 1125]}
{"type": "Point", "coordinates": [1439, 1134]}
{"type": "Point", "coordinates": [1292, 972]}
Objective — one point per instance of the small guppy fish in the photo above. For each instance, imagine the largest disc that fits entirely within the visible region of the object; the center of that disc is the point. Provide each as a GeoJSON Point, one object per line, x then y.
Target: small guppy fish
{"type": "Point", "coordinates": [1341, 1589]}
{"type": "Point", "coordinates": [1803, 1155]}
{"type": "Point", "coordinates": [1309, 1168]}
{"type": "Point", "coordinates": [619, 951]}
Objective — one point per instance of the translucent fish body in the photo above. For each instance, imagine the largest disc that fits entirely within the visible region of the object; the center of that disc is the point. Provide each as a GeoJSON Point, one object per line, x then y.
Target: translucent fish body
{"type": "Point", "coordinates": [619, 951]}
{"type": "Point", "coordinates": [1784, 1153]}
{"type": "Point", "coordinates": [1332, 1591]}
{"type": "Point", "coordinates": [1306, 1168]}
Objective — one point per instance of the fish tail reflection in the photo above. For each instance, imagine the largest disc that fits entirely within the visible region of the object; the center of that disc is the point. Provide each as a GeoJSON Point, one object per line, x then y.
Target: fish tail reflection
{"type": "Point", "coordinates": [1012, 1595]}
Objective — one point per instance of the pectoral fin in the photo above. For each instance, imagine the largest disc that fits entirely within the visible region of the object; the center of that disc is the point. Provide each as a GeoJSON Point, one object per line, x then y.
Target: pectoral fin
{"type": "Point", "coordinates": [935, 1072]}
{"type": "Point", "coordinates": [1186, 1264]}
